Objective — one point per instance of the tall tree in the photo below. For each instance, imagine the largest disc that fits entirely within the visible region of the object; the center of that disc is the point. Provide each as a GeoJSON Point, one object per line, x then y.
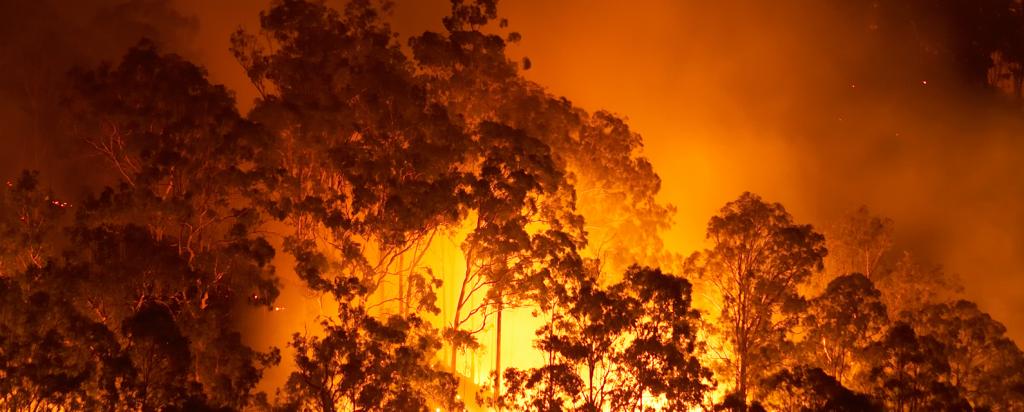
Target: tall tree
{"type": "Point", "coordinates": [364, 164]}
{"type": "Point", "coordinates": [380, 169]}
{"type": "Point", "coordinates": [176, 239]}
{"type": "Point", "coordinates": [30, 219]}
{"type": "Point", "coordinates": [807, 389]}
{"type": "Point", "coordinates": [367, 364]}
{"type": "Point", "coordinates": [631, 347]}
{"type": "Point", "coordinates": [758, 258]}
{"type": "Point", "coordinates": [910, 372]}
{"type": "Point", "coordinates": [468, 68]}
{"type": "Point", "coordinates": [366, 170]}
{"type": "Point", "coordinates": [525, 230]}
{"type": "Point", "coordinates": [858, 242]}
{"type": "Point", "coordinates": [52, 357]}
{"type": "Point", "coordinates": [911, 285]}
{"type": "Point", "coordinates": [983, 362]}
{"type": "Point", "coordinates": [840, 324]}
{"type": "Point", "coordinates": [862, 242]}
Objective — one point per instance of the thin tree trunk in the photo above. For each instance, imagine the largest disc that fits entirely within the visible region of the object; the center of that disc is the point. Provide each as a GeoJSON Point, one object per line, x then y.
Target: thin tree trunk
{"type": "Point", "coordinates": [497, 351]}
{"type": "Point", "coordinates": [455, 352]}
{"type": "Point", "coordinates": [457, 321]}
{"type": "Point", "coordinates": [741, 355]}
{"type": "Point", "coordinates": [743, 379]}
{"type": "Point", "coordinates": [402, 305]}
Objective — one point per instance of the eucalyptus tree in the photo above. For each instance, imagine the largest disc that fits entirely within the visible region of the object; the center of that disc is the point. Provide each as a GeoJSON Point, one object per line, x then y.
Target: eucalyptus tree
{"type": "Point", "coordinates": [364, 170]}
{"type": "Point", "coordinates": [364, 166]}
{"type": "Point", "coordinates": [807, 389]}
{"type": "Point", "coordinates": [167, 251]}
{"type": "Point", "coordinates": [631, 346]}
{"type": "Point", "coordinates": [30, 223]}
{"type": "Point", "coordinates": [984, 363]}
{"type": "Point", "coordinates": [758, 258]}
{"type": "Point", "coordinates": [840, 324]}
{"type": "Point", "coordinates": [858, 243]}
{"type": "Point", "coordinates": [608, 183]}
{"type": "Point", "coordinates": [468, 68]}
{"type": "Point", "coordinates": [910, 372]}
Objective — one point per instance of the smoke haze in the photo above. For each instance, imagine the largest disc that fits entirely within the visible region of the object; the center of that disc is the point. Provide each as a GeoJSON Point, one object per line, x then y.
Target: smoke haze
{"type": "Point", "coordinates": [808, 103]}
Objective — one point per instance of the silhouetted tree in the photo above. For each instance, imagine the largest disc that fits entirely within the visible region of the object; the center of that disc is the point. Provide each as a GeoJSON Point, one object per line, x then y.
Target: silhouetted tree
{"type": "Point", "coordinates": [983, 362]}
{"type": "Point", "coordinates": [175, 239]}
{"type": "Point", "coordinates": [30, 219]}
{"type": "Point", "coordinates": [840, 324]}
{"type": "Point", "coordinates": [911, 373]}
{"type": "Point", "coordinates": [468, 69]}
{"type": "Point", "coordinates": [367, 169]}
{"type": "Point", "coordinates": [911, 285]}
{"type": "Point", "coordinates": [525, 230]}
{"type": "Point", "coordinates": [365, 152]}
{"type": "Point", "coordinates": [861, 242]}
{"type": "Point", "coordinates": [733, 402]}
{"type": "Point", "coordinates": [363, 163]}
{"type": "Point", "coordinates": [629, 347]}
{"type": "Point", "coordinates": [52, 357]}
{"type": "Point", "coordinates": [858, 243]}
{"type": "Point", "coordinates": [759, 257]}
{"type": "Point", "coordinates": [807, 389]}
{"type": "Point", "coordinates": [366, 364]}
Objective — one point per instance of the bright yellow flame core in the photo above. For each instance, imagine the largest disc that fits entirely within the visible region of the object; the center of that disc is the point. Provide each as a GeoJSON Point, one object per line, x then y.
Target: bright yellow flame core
{"type": "Point", "coordinates": [444, 258]}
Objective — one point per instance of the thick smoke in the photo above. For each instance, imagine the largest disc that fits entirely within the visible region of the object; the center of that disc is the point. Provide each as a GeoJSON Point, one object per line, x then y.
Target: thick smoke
{"type": "Point", "coordinates": [43, 41]}
{"type": "Point", "coordinates": [820, 105]}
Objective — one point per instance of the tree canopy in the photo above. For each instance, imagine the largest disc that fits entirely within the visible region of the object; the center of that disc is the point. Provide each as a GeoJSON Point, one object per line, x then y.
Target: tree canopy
{"type": "Point", "coordinates": [365, 153]}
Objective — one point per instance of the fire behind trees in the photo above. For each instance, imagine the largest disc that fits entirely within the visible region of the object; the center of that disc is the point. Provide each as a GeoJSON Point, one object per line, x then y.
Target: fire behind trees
{"type": "Point", "coordinates": [367, 152]}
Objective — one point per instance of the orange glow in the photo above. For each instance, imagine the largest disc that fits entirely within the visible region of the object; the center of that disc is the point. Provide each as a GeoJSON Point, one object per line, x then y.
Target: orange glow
{"type": "Point", "coordinates": [713, 127]}
{"type": "Point", "coordinates": [805, 103]}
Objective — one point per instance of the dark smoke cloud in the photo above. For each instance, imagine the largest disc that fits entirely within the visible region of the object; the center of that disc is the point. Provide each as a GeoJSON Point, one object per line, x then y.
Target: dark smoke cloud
{"type": "Point", "coordinates": [42, 41]}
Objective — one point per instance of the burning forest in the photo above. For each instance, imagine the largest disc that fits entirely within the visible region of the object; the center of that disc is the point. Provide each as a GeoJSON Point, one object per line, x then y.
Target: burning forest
{"type": "Point", "coordinates": [367, 205]}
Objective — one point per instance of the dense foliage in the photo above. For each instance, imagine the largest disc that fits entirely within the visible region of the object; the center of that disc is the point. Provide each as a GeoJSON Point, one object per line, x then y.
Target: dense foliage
{"type": "Point", "coordinates": [359, 156]}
